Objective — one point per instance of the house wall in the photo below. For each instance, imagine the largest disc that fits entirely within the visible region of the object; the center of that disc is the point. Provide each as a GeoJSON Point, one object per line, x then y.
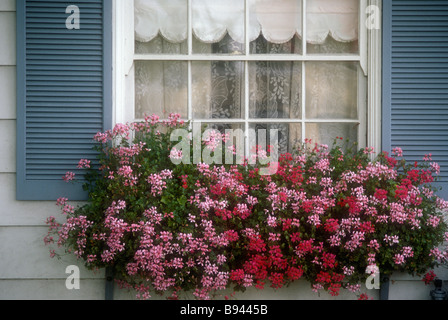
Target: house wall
{"type": "Point", "coordinates": [26, 270]}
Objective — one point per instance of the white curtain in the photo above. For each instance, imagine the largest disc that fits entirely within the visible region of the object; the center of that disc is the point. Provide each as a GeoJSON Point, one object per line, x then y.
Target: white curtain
{"type": "Point", "coordinates": [277, 20]}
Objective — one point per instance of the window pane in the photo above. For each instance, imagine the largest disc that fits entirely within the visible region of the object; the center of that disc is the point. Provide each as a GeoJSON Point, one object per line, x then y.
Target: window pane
{"type": "Point", "coordinates": [332, 90]}
{"type": "Point", "coordinates": [218, 89]}
{"type": "Point", "coordinates": [326, 133]}
{"type": "Point", "coordinates": [289, 135]}
{"type": "Point", "coordinates": [275, 90]}
{"type": "Point", "coordinates": [332, 26]}
{"type": "Point", "coordinates": [160, 26]}
{"type": "Point", "coordinates": [161, 88]}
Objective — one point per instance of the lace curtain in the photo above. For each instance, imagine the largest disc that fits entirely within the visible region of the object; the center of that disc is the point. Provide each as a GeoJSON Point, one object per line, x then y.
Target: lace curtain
{"type": "Point", "coordinates": [275, 88]}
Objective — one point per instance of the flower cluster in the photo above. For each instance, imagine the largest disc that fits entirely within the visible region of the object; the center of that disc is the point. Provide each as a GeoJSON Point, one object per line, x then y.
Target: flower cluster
{"type": "Point", "coordinates": [326, 215]}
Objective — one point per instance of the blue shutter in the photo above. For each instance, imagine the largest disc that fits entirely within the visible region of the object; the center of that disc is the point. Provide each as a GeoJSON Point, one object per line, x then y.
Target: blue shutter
{"type": "Point", "coordinates": [415, 80]}
{"type": "Point", "coordinates": [64, 93]}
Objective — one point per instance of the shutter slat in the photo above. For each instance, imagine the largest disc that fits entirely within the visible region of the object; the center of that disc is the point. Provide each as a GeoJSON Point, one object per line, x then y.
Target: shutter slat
{"type": "Point", "coordinates": [416, 80]}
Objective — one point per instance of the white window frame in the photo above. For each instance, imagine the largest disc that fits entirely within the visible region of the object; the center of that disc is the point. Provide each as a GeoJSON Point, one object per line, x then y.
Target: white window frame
{"type": "Point", "coordinates": [369, 59]}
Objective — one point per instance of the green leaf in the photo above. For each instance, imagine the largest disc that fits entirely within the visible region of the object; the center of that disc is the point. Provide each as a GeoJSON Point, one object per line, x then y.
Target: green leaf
{"type": "Point", "coordinates": [182, 200]}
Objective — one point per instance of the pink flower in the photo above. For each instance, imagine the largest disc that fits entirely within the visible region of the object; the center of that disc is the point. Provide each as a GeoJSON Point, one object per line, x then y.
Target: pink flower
{"type": "Point", "coordinates": [399, 259]}
{"type": "Point", "coordinates": [435, 167]}
{"type": "Point", "coordinates": [69, 176]}
{"type": "Point", "coordinates": [84, 164]}
{"type": "Point", "coordinates": [398, 152]}
{"type": "Point", "coordinates": [433, 221]}
{"type": "Point", "coordinates": [121, 130]}
{"type": "Point", "coordinates": [391, 239]}
{"type": "Point", "coordinates": [175, 154]}
{"type": "Point", "coordinates": [61, 201]}
{"type": "Point", "coordinates": [102, 137]}
{"type": "Point", "coordinates": [408, 252]}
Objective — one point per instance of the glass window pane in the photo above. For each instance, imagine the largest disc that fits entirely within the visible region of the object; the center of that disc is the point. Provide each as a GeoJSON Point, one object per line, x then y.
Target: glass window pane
{"type": "Point", "coordinates": [326, 133]}
{"type": "Point", "coordinates": [332, 90]}
{"type": "Point", "coordinates": [332, 26]}
{"type": "Point", "coordinates": [161, 88]}
{"type": "Point", "coordinates": [275, 90]}
{"type": "Point", "coordinates": [218, 89]}
{"type": "Point", "coordinates": [289, 135]}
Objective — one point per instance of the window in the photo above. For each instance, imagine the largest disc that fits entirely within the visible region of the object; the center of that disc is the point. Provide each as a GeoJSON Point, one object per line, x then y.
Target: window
{"type": "Point", "coordinates": [298, 66]}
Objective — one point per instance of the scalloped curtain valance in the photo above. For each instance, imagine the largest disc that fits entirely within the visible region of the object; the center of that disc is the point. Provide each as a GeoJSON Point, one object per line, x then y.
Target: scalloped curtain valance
{"type": "Point", "coordinates": [277, 20]}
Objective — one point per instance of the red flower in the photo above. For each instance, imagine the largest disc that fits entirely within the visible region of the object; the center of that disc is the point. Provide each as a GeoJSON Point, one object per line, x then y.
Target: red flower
{"type": "Point", "coordinates": [256, 244]}
{"type": "Point", "coordinates": [331, 225]}
{"type": "Point", "coordinates": [307, 206]}
{"type": "Point", "coordinates": [426, 177]}
{"type": "Point", "coordinates": [323, 277]}
{"type": "Point", "coordinates": [294, 273]}
{"type": "Point", "coordinates": [337, 277]}
{"type": "Point", "coordinates": [237, 275]}
{"type": "Point", "coordinates": [429, 277]}
{"type": "Point", "coordinates": [283, 196]}
{"type": "Point", "coordinates": [286, 224]}
{"type": "Point", "coordinates": [367, 227]}
{"type": "Point", "coordinates": [401, 192]}
{"type": "Point", "coordinates": [391, 161]}
{"type": "Point", "coordinates": [231, 235]}
{"type": "Point", "coordinates": [414, 175]}
{"type": "Point", "coordinates": [224, 214]}
{"type": "Point", "coordinates": [217, 190]}
{"type": "Point", "coordinates": [380, 194]}
{"type": "Point", "coordinates": [276, 279]}
{"type": "Point", "coordinates": [329, 260]}
{"type": "Point", "coordinates": [364, 296]}
{"type": "Point", "coordinates": [184, 181]}
{"type": "Point", "coordinates": [295, 237]}
{"type": "Point", "coordinates": [257, 266]}
{"type": "Point", "coordinates": [351, 203]}
{"type": "Point", "coordinates": [334, 289]}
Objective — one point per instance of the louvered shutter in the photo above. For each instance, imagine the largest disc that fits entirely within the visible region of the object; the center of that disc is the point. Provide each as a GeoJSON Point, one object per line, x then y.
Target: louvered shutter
{"type": "Point", "coordinates": [415, 84]}
{"type": "Point", "coordinates": [64, 92]}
